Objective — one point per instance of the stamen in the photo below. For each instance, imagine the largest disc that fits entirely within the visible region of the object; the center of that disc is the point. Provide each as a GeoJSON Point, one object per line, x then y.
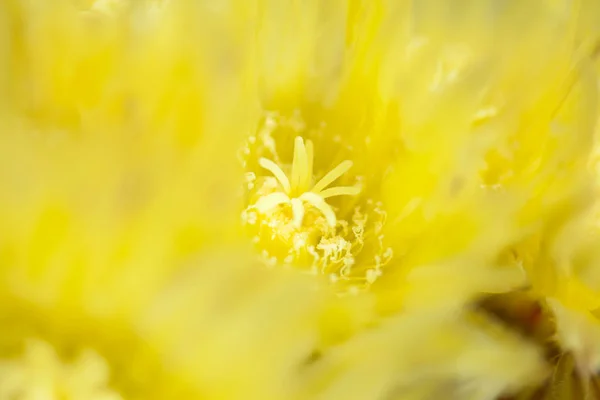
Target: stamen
{"type": "Point", "coordinates": [319, 203]}
{"type": "Point", "coordinates": [340, 191]}
{"type": "Point", "coordinates": [270, 201]}
{"type": "Point", "coordinates": [277, 173]}
{"type": "Point", "coordinates": [297, 212]}
{"type": "Point", "coordinates": [332, 175]}
{"type": "Point", "coordinates": [299, 166]}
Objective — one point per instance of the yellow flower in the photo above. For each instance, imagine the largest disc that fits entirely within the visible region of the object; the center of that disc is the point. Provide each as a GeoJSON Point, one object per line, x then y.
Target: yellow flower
{"type": "Point", "coordinates": [390, 150]}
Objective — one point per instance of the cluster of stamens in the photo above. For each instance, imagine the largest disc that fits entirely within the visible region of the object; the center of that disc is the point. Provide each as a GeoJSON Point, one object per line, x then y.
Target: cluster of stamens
{"type": "Point", "coordinates": [293, 222]}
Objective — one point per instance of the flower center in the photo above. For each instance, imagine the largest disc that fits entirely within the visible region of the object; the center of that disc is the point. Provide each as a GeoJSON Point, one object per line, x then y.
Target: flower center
{"type": "Point", "coordinates": [295, 193]}
{"type": "Point", "coordinates": [292, 218]}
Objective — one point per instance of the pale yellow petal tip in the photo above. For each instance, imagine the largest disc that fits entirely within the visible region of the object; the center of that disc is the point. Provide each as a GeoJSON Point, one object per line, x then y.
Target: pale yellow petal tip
{"type": "Point", "coordinates": [578, 331]}
{"type": "Point", "coordinates": [39, 370]}
{"type": "Point", "coordinates": [461, 357]}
